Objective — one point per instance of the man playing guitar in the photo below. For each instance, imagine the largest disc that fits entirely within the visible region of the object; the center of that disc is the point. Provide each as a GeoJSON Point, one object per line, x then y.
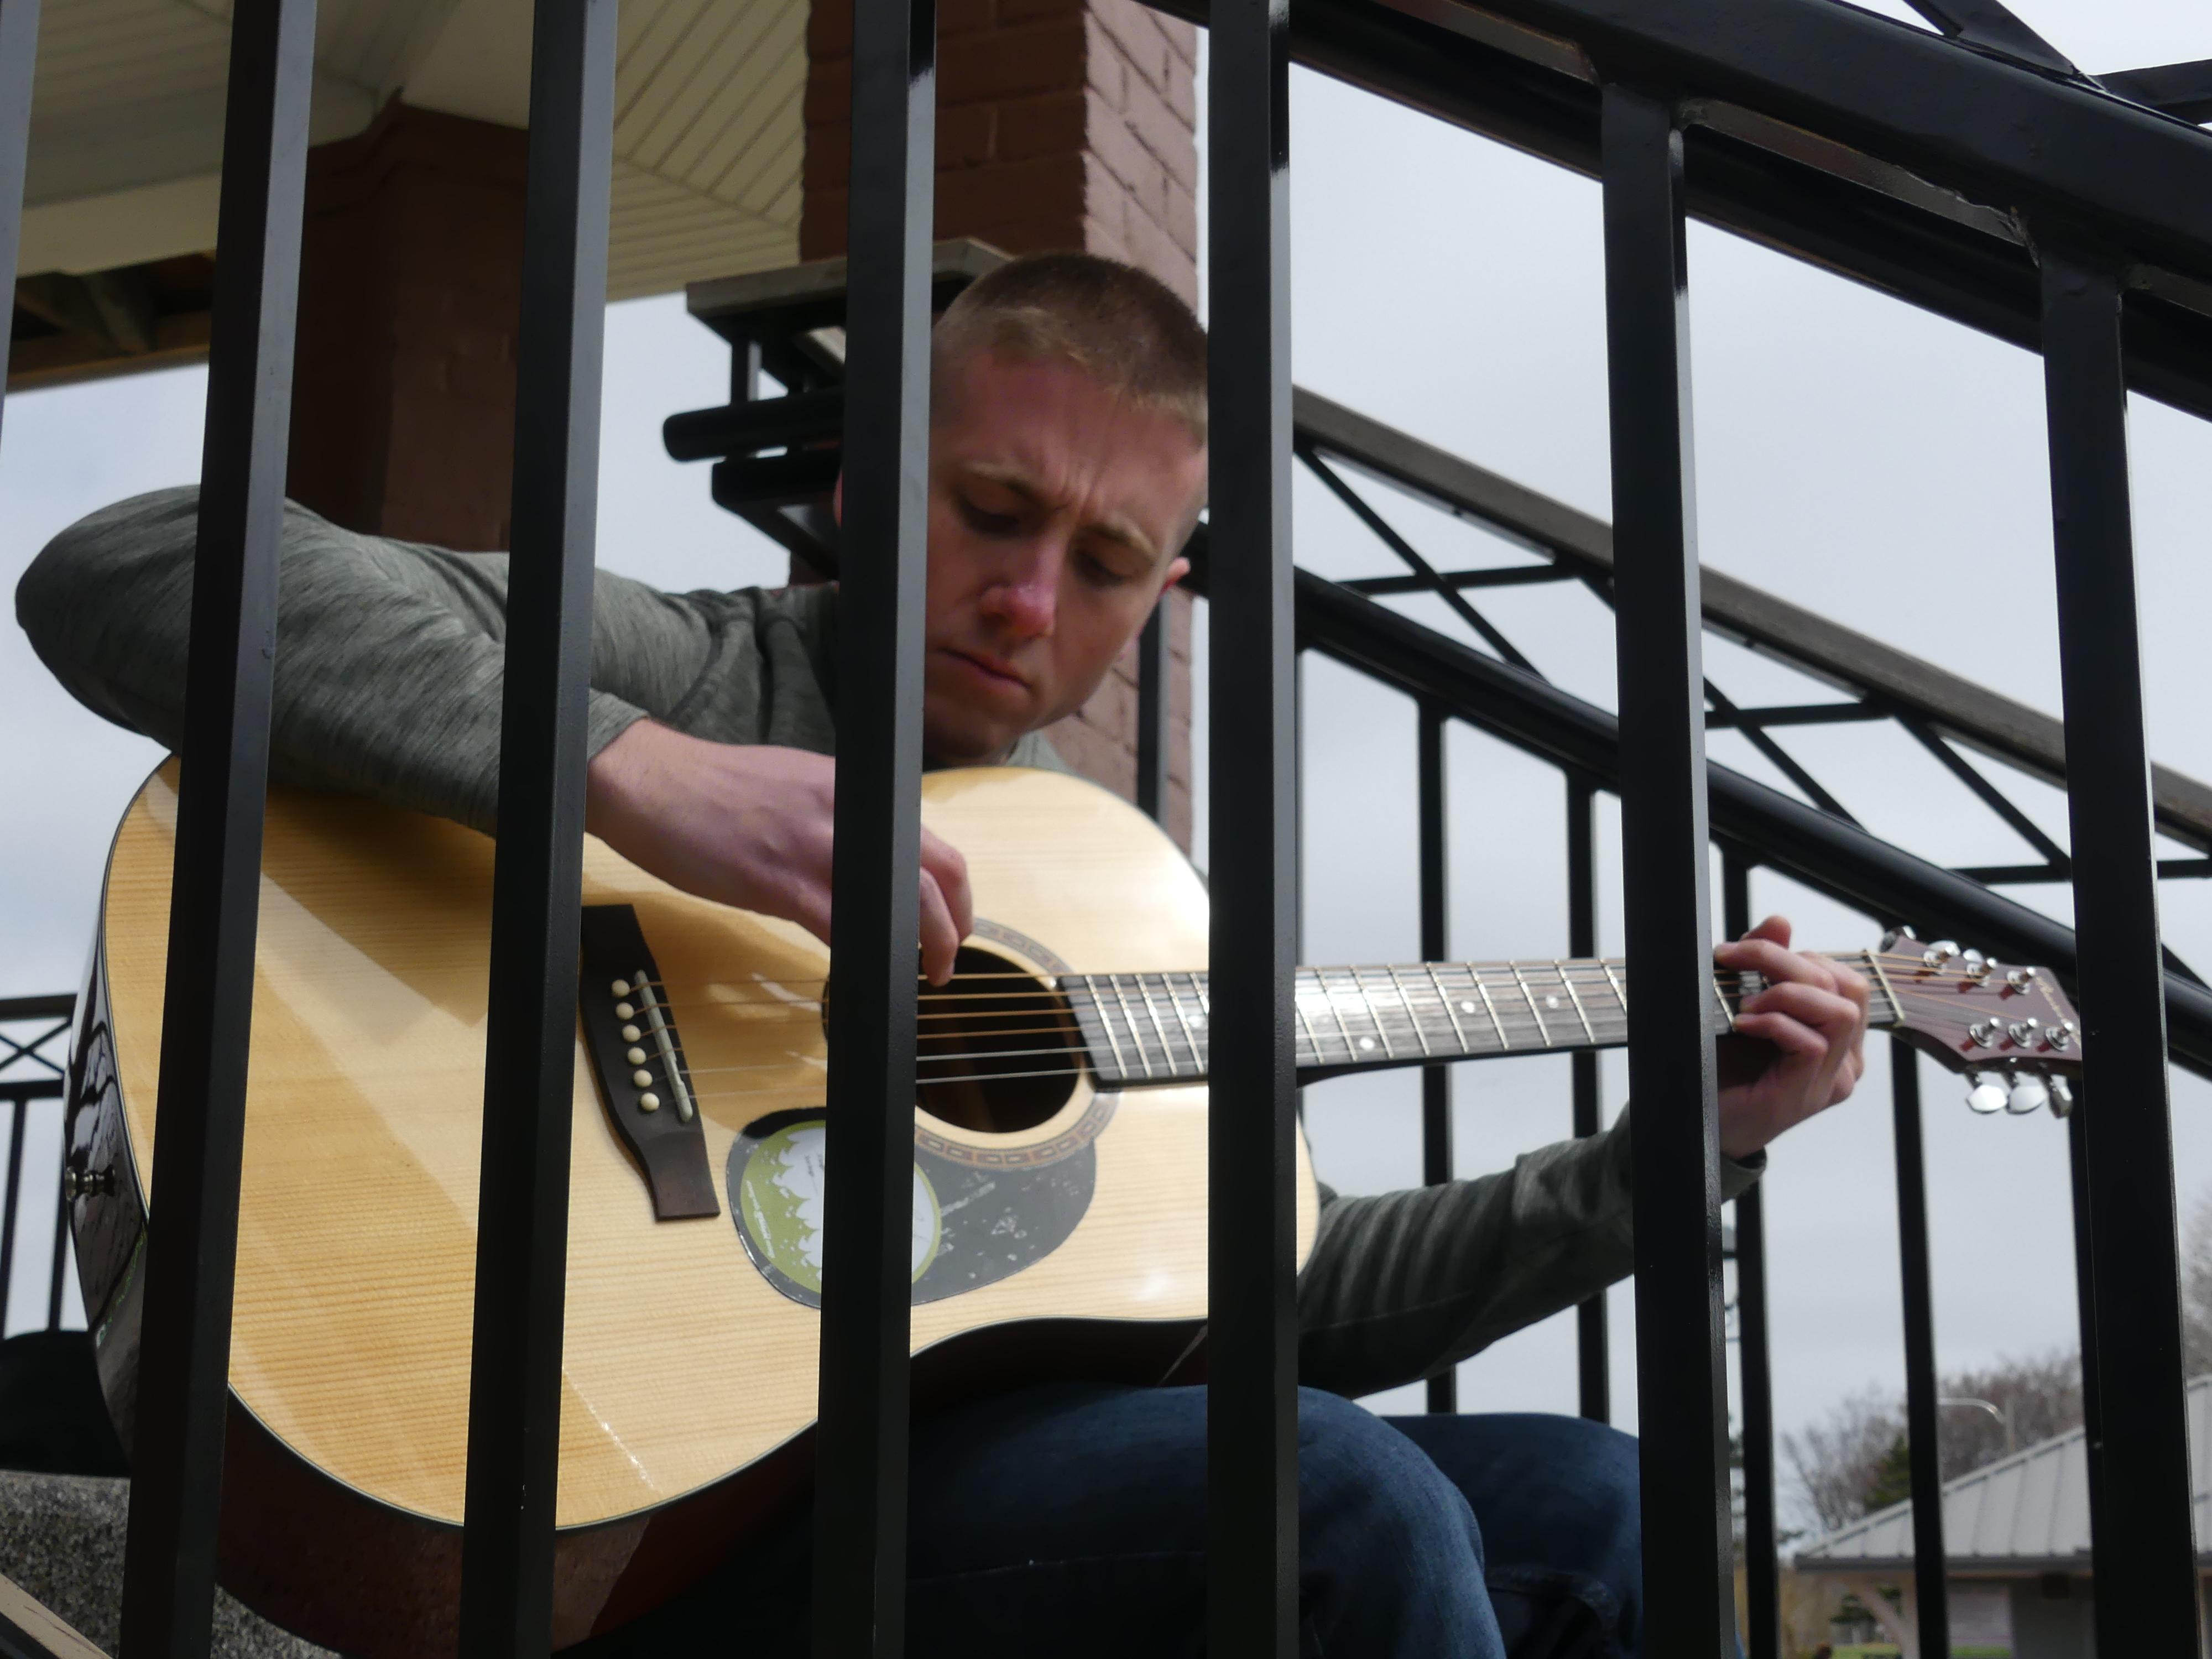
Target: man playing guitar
{"type": "Point", "coordinates": [1067, 468]}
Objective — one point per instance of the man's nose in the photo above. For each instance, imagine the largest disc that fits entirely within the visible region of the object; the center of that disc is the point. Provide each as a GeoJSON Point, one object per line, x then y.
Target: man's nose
{"type": "Point", "coordinates": [1026, 597]}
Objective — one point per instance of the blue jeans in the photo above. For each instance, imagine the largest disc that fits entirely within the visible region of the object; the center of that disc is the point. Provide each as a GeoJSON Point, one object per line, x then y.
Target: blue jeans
{"type": "Point", "coordinates": [1069, 1520]}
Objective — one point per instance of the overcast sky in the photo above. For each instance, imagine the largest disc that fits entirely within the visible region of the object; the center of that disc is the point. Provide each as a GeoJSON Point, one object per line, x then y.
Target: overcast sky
{"type": "Point", "coordinates": [1853, 455]}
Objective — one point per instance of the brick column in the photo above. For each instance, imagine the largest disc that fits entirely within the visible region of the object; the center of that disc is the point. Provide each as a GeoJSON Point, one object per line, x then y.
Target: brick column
{"type": "Point", "coordinates": [1061, 124]}
{"type": "Point", "coordinates": [403, 403]}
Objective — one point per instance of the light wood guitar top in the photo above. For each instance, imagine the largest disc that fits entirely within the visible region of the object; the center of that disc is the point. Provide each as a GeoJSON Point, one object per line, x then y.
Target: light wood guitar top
{"type": "Point", "coordinates": [683, 1362]}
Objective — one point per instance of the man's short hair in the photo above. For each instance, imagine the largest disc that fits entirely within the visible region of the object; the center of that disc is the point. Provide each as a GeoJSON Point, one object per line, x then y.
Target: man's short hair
{"type": "Point", "coordinates": [1128, 331]}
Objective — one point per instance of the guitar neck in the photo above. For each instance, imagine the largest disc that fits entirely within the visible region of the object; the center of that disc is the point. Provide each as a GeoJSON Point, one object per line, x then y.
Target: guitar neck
{"type": "Point", "coordinates": [1155, 1028]}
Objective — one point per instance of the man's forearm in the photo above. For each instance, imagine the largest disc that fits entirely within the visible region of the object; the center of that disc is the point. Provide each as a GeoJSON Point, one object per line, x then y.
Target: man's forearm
{"type": "Point", "coordinates": [1402, 1285]}
{"type": "Point", "coordinates": [389, 661]}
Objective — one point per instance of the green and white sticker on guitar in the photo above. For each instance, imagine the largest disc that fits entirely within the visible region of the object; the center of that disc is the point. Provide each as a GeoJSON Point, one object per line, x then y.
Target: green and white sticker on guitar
{"type": "Point", "coordinates": [780, 1198]}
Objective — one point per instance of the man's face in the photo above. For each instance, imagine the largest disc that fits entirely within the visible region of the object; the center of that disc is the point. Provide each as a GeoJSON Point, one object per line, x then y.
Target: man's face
{"type": "Point", "coordinates": [1057, 510]}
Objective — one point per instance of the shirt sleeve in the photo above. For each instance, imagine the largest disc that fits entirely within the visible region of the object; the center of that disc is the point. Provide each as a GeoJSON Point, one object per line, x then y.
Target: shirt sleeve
{"type": "Point", "coordinates": [107, 606]}
{"type": "Point", "coordinates": [1407, 1284]}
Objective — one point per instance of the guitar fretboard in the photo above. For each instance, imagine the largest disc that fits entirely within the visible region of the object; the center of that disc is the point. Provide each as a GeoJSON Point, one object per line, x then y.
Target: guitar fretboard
{"type": "Point", "coordinates": [1156, 1028]}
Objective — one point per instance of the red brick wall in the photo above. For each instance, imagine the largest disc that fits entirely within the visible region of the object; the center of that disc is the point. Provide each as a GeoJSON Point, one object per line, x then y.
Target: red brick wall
{"type": "Point", "coordinates": [1061, 123]}
{"type": "Point", "coordinates": [403, 401]}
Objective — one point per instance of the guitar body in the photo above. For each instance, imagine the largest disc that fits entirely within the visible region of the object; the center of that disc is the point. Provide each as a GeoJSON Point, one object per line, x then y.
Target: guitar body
{"type": "Point", "coordinates": [689, 1367]}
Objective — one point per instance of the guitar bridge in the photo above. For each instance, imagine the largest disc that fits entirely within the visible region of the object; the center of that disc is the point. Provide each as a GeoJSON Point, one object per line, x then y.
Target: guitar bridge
{"type": "Point", "coordinates": [629, 1032]}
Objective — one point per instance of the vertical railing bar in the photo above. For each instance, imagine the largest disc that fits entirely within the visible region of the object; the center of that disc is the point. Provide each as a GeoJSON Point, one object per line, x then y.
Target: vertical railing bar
{"type": "Point", "coordinates": [20, 1122]}
{"type": "Point", "coordinates": [19, 59]}
{"type": "Point", "coordinates": [1436, 921]}
{"type": "Point", "coordinates": [860, 1491]}
{"type": "Point", "coordinates": [522, 1229]}
{"type": "Point", "coordinates": [1923, 1431]}
{"type": "Point", "coordinates": [1252, 1389]}
{"type": "Point", "coordinates": [1761, 1559]}
{"type": "Point", "coordinates": [2147, 1594]}
{"type": "Point", "coordinates": [1152, 714]}
{"type": "Point", "coordinates": [1593, 1340]}
{"type": "Point", "coordinates": [191, 1242]}
{"type": "Point", "coordinates": [1680, 1367]}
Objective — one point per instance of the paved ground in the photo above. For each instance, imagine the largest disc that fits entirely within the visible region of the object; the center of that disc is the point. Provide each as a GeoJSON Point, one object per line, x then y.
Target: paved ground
{"type": "Point", "coordinates": [61, 1539]}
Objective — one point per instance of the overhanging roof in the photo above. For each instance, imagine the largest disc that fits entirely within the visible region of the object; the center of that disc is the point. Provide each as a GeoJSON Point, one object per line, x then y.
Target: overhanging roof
{"type": "Point", "coordinates": [126, 131]}
{"type": "Point", "coordinates": [2026, 1513]}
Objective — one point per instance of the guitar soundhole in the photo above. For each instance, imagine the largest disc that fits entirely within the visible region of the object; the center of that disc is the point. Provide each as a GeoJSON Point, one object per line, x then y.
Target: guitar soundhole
{"type": "Point", "coordinates": [998, 1051]}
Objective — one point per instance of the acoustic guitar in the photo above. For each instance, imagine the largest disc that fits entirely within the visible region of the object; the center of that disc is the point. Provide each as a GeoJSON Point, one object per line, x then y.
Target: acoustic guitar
{"type": "Point", "coordinates": [1059, 1184]}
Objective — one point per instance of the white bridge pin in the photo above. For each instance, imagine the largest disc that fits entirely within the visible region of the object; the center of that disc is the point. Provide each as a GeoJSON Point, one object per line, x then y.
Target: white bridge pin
{"type": "Point", "coordinates": [649, 1101]}
{"type": "Point", "coordinates": [623, 1010]}
{"type": "Point", "coordinates": [636, 1056]}
{"type": "Point", "coordinates": [621, 987]}
{"type": "Point", "coordinates": [641, 1077]}
{"type": "Point", "coordinates": [631, 1034]}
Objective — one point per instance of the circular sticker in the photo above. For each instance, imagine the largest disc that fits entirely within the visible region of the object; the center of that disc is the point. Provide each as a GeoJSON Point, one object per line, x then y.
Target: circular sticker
{"type": "Point", "coordinates": [778, 1202]}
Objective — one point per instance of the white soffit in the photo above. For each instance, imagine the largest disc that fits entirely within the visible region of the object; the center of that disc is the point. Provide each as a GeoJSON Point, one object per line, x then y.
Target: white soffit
{"type": "Point", "coordinates": [127, 124]}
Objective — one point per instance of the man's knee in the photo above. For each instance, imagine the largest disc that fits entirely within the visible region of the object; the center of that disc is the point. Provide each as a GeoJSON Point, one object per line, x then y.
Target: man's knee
{"type": "Point", "coordinates": [1374, 1511]}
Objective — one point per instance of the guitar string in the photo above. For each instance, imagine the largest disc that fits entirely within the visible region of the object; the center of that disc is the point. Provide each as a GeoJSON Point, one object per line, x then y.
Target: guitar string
{"type": "Point", "coordinates": [1586, 970]}
{"type": "Point", "coordinates": [1524, 1023]}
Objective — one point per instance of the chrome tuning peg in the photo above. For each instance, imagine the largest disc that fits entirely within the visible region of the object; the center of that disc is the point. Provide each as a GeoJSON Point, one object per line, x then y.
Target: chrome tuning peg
{"type": "Point", "coordinates": [1987, 1094]}
{"type": "Point", "coordinates": [1940, 953]}
{"type": "Point", "coordinates": [1896, 938]}
{"type": "Point", "coordinates": [2029, 1093]}
{"type": "Point", "coordinates": [1976, 965]}
{"type": "Point", "coordinates": [2061, 1097]}
{"type": "Point", "coordinates": [2020, 978]}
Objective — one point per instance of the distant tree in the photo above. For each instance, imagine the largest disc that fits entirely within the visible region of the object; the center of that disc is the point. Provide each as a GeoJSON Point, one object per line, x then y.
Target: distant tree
{"type": "Point", "coordinates": [1893, 1477]}
{"type": "Point", "coordinates": [1837, 1459]}
{"type": "Point", "coordinates": [1857, 1458]}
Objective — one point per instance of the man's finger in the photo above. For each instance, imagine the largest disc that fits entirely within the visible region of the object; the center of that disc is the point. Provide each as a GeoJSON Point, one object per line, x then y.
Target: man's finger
{"type": "Point", "coordinates": [1830, 1011]}
{"type": "Point", "coordinates": [942, 859]}
{"type": "Point", "coordinates": [1790, 1035]}
{"type": "Point", "coordinates": [940, 940]}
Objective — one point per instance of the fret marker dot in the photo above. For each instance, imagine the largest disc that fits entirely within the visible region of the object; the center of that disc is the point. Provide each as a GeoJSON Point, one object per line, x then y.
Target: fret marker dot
{"type": "Point", "coordinates": [1197, 1022]}
{"type": "Point", "coordinates": [1367, 1043]}
{"type": "Point", "coordinates": [1550, 1002]}
{"type": "Point", "coordinates": [1467, 1007]}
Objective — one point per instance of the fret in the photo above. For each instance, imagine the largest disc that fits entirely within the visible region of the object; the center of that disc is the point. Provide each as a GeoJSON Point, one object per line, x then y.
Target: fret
{"type": "Point", "coordinates": [1568, 984]}
{"type": "Point", "coordinates": [1727, 1016]}
{"type": "Point", "coordinates": [1298, 1007]}
{"type": "Point", "coordinates": [1419, 1035]}
{"type": "Point", "coordinates": [1374, 1014]}
{"type": "Point", "coordinates": [1320, 976]}
{"type": "Point", "coordinates": [1152, 1013]}
{"type": "Point", "coordinates": [1089, 984]}
{"type": "Point", "coordinates": [1459, 1038]}
{"type": "Point", "coordinates": [1504, 1043]}
{"type": "Point", "coordinates": [1529, 997]}
{"type": "Point", "coordinates": [1182, 1022]}
{"type": "Point", "coordinates": [1619, 995]}
{"type": "Point", "coordinates": [1136, 1036]}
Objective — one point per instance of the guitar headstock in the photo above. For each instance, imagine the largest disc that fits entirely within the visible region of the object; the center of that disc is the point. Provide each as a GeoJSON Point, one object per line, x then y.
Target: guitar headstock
{"type": "Point", "coordinates": [2010, 1028]}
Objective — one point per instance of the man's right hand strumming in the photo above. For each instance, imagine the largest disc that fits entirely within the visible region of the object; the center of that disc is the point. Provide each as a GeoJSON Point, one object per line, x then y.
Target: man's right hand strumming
{"type": "Point", "coordinates": [752, 826]}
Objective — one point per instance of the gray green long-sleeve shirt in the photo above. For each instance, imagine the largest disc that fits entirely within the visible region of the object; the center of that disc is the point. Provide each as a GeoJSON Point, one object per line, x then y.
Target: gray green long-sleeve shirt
{"type": "Point", "coordinates": [389, 661]}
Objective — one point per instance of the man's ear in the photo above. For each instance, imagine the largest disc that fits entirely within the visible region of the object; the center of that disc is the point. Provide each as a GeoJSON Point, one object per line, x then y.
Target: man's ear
{"type": "Point", "coordinates": [1177, 570]}
{"type": "Point", "coordinates": [837, 499]}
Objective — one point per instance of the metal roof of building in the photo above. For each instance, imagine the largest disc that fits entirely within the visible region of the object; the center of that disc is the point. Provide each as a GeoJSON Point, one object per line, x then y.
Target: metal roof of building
{"type": "Point", "coordinates": [126, 129]}
{"type": "Point", "coordinates": [2025, 1512]}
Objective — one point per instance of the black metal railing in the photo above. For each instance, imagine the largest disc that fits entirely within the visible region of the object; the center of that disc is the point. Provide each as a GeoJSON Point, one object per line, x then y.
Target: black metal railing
{"type": "Point", "coordinates": [1981, 178]}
